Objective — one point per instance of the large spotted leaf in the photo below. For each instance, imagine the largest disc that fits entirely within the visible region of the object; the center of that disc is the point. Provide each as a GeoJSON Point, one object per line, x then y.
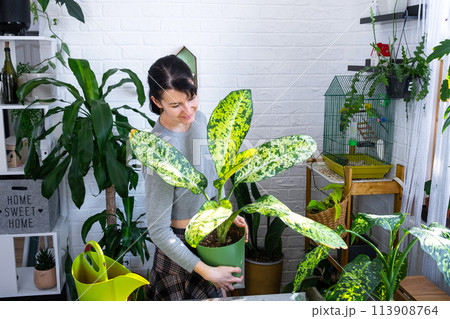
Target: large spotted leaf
{"type": "Point", "coordinates": [358, 279]}
{"type": "Point", "coordinates": [435, 241]}
{"type": "Point", "coordinates": [309, 262]}
{"type": "Point", "coordinates": [167, 161]}
{"type": "Point", "coordinates": [276, 156]}
{"type": "Point", "coordinates": [208, 218]}
{"type": "Point", "coordinates": [268, 205]}
{"type": "Point", "coordinates": [242, 159]}
{"type": "Point", "coordinates": [227, 128]}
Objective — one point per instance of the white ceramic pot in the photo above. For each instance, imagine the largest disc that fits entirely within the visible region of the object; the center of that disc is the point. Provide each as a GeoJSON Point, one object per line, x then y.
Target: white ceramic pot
{"type": "Point", "coordinates": [42, 92]}
{"type": "Point", "coordinates": [387, 6]}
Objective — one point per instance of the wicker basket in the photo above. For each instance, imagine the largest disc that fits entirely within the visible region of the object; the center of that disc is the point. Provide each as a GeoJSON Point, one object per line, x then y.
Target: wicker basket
{"type": "Point", "coordinates": [327, 216]}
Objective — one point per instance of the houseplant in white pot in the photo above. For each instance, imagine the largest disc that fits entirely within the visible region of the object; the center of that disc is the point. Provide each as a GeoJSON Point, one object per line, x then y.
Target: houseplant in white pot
{"type": "Point", "coordinates": [227, 128]}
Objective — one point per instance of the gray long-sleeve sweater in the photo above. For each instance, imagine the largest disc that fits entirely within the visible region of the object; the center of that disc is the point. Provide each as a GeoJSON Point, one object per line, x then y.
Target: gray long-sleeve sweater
{"type": "Point", "coordinates": [165, 202]}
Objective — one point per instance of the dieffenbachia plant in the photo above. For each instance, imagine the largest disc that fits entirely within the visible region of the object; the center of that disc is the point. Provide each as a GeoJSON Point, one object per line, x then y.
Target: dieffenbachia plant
{"type": "Point", "coordinates": [227, 128]}
{"type": "Point", "coordinates": [380, 277]}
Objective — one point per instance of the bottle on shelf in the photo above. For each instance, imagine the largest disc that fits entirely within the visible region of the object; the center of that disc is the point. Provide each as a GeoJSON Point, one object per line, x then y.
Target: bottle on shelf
{"type": "Point", "coordinates": [9, 79]}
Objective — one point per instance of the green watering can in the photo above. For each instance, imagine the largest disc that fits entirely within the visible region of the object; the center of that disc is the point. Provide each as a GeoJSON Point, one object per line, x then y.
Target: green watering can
{"type": "Point", "coordinates": [103, 278]}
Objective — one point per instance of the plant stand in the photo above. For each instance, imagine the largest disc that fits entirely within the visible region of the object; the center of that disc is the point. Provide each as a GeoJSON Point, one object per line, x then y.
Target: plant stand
{"type": "Point", "coordinates": [364, 187]}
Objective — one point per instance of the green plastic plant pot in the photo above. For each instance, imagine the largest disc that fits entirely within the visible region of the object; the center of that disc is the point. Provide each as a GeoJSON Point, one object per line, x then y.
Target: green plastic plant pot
{"type": "Point", "coordinates": [231, 255]}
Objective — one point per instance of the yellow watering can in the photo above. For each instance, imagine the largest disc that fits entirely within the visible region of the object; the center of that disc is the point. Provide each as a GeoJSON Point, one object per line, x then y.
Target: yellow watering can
{"type": "Point", "coordinates": [103, 278]}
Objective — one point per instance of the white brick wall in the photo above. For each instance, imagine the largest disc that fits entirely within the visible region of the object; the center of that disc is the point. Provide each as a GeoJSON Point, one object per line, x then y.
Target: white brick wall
{"type": "Point", "coordinates": [286, 51]}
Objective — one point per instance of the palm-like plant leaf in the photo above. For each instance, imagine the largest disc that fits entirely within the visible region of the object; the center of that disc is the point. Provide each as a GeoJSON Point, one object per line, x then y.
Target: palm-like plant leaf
{"type": "Point", "coordinates": [167, 161]}
{"type": "Point", "coordinates": [358, 279]}
{"type": "Point", "coordinates": [227, 128]}
{"type": "Point", "coordinates": [276, 156]}
{"type": "Point", "coordinates": [435, 240]}
{"type": "Point", "coordinates": [208, 218]}
{"type": "Point", "coordinates": [268, 205]}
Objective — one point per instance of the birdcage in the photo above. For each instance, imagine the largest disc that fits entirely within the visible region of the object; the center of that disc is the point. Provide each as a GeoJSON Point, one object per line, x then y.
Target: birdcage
{"type": "Point", "coordinates": [366, 143]}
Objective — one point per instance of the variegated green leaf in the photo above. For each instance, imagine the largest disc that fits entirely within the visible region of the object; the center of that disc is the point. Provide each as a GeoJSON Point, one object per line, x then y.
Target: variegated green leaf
{"type": "Point", "coordinates": [167, 161]}
{"type": "Point", "coordinates": [227, 128]}
{"type": "Point", "coordinates": [435, 241]}
{"type": "Point", "coordinates": [242, 159]}
{"type": "Point", "coordinates": [388, 222]}
{"type": "Point", "coordinates": [358, 279]}
{"type": "Point", "coordinates": [381, 291]}
{"type": "Point", "coordinates": [208, 218]}
{"type": "Point", "coordinates": [276, 156]}
{"type": "Point", "coordinates": [268, 205]}
{"type": "Point", "coordinates": [309, 262]}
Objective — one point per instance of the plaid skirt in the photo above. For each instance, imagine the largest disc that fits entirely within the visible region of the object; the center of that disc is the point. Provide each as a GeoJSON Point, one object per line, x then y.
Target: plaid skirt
{"type": "Point", "coordinates": [169, 281]}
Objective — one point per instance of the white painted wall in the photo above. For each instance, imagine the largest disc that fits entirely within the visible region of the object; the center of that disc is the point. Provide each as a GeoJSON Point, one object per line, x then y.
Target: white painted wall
{"type": "Point", "coordinates": [285, 51]}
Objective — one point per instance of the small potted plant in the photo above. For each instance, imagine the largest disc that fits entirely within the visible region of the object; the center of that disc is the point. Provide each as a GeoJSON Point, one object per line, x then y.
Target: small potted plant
{"type": "Point", "coordinates": [227, 128]}
{"type": "Point", "coordinates": [44, 269]}
{"type": "Point", "coordinates": [331, 210]}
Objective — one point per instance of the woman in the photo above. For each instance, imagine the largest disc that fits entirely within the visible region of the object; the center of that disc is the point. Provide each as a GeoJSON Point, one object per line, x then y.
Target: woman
{"type": "Point", "coordinates": [178, 273]}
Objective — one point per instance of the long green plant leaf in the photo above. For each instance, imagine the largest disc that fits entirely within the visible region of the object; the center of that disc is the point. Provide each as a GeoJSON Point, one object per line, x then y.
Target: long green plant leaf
{"type": "Point", "coordinates": [102, 121]}
{"type": "Point", "coordinates": [208, 218]}
{"type": "Point", "coordinates": [85, 77]}
{"type": "Point", "coordinates": [85, 145]}
{"type": "Point", "coordinates": [275, 157]}
{"type": "Point", "coordinates": [51, 182]}
{"type": "Point", "coordinates": [29, 86]}
{"type": "Point", "coordinates": [75, 177]}
{"type": "Point", "coordinates": [118, 172]}
{"type": "Point", "coordinates": [242, 159]}
{"type": "Point", "coordinates": [306, 267]}
{"type": "Point", "coordinates": [227, 128]}
{"type": "Point", "coordinates": [167, 161]}
{"type": "Point", "coordinates": [358, 279]}
{"type": "Point", "coordinates": [435, 241]}
{"type": "Point", "coordinates": [268, 205]}
{"type": "Point", "coordinates": [364, 222]}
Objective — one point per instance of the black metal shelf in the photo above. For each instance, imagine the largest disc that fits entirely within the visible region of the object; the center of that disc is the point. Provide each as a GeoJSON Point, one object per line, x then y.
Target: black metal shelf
{"type": "Point", "coordinates": [411, 12]}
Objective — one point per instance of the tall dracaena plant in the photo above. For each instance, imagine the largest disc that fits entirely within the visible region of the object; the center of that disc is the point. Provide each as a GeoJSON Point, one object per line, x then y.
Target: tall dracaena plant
{"type": "Point", "coordinates": [88, 140]}
{"type": "Point", "coordinates": [227, 128]}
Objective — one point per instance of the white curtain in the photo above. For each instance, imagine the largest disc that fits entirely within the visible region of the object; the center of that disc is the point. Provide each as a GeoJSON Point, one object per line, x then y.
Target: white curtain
{"type": "Point", "coordinates": [421, 139]}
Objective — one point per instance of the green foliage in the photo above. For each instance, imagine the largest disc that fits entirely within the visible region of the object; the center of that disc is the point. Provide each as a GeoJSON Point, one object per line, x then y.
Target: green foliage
{"type": "Point", "coordinates": [120, 238]}
{"type": "Point", "coordinates": [88, 138]}
{"type": "Point", "coordinates": [415, 69]}
{"type": "Point", "coordinates": [438, 53]}
{"type": "Point", "coordinates": [358, 279]}
{"type": "Point", "coordinates": [333, 200]}
{"type": "Point", "coordinates": [227, 127]}
{"type": "Point", "coordinates": [74, 11]}
{"type": "Point", "coordinates": [273, 244]}
{"type": "Point", "coordinates": [45, 260]}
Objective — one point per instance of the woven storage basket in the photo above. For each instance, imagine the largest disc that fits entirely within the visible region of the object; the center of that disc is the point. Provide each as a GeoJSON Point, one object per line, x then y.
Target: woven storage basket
{"type": "Point", "coordinates": [327, 216]}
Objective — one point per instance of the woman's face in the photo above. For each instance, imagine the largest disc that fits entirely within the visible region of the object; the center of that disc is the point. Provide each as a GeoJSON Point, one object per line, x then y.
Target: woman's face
{"type": "Point", "coordinates": [178, 110]}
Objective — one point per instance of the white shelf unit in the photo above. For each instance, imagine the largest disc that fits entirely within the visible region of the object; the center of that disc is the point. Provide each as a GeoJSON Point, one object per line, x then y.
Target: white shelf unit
{"type": "Point", "coordinates": [25, 49]}
{"type": "Point", "coordinates": [18, 281]}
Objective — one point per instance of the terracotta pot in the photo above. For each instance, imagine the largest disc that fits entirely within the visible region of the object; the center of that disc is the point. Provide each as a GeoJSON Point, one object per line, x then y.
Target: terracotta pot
{"type": "Point", "coordinates": [45, 279]}
{"type": "Point", "coordinates": [263, 278]}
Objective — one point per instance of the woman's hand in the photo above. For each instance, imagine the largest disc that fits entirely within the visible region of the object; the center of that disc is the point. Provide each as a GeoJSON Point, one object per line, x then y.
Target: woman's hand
{"type": "Point", "coordinates": [220, 277]}
{"type": "Point", "coordinates": [239, 221]}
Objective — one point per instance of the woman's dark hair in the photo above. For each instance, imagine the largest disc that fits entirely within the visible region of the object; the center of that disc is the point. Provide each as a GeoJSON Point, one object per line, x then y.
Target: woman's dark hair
{"type": "Point", "coordinates": [169, 72]}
